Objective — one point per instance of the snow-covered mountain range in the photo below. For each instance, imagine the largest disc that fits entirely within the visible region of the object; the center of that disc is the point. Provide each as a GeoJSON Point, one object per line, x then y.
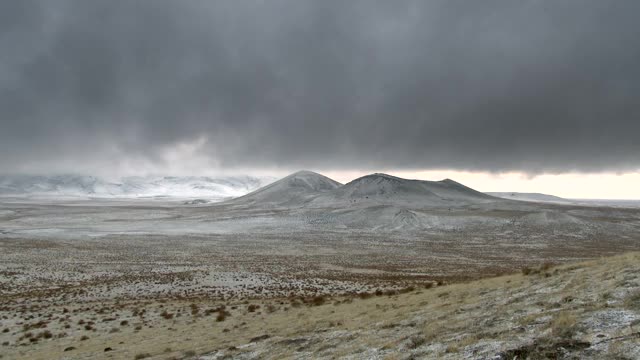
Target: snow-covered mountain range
{"type": "Point", "coordinates": [210, 188]}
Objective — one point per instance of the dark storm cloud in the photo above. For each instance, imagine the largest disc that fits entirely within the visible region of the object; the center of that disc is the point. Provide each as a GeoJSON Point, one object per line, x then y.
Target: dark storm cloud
{"type": "Point", "coordinates": [485, 85]}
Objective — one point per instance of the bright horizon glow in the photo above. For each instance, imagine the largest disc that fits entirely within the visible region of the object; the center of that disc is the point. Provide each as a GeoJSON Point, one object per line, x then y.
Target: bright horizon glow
{"type": "Point", "coordinates": [625, 186]}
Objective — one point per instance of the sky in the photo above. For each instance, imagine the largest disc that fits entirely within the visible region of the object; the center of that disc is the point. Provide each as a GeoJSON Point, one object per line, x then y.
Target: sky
{"type": "Point", "coordinates": [545, 93]}
{"type": "Point", "coordinates": [601, 185]}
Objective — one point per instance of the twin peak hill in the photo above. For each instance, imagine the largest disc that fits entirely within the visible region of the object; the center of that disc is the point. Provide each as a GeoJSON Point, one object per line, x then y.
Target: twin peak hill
{"type": "Point", "coordinates": [313, 190]}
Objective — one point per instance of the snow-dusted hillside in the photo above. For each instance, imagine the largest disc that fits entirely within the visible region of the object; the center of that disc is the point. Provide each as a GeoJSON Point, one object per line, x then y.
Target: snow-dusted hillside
{"type": "Point", "coordinates": [378, 189]}
{"type": "Point", "coordinates": [312, 190]}
{"type": "Point", "coordinates": [292, 191]}
{"type": "Point", "coordinates": [210, 188]}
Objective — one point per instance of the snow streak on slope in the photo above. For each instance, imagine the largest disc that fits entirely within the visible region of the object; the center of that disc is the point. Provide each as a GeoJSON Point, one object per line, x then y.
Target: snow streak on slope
{"type": "Point", "coordinates": [210, 188]}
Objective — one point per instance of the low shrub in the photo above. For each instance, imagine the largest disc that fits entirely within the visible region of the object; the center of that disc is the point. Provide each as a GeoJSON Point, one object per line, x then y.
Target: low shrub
{"type": "Point", "coordinates": [563, 325]}
{"type": "Point", "coordinates": [194, 309]}
{"type": "Point", "coordinates": [318, 300]}
{"type": "Point", "coordinates": [166, 315]}
{"type": "Point", "coordinates": [527, 271]}
{"type": "Point", "coordinates": [546, 266]}
{"type": "Point", "coordinates": [416, 341]}
{"type": "Point", "coordinates": [632, 301]}
{"type": "Point", "coordinates": [222, 315]}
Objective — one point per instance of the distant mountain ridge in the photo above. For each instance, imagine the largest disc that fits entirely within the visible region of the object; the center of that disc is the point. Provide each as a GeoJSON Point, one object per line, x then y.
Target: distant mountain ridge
{"type": "Point", "coordinates": [552, 199]}
{"type": "Point", "coordinates": [211, 188]}
{"type": "Point", "coordinates": [534, 197]}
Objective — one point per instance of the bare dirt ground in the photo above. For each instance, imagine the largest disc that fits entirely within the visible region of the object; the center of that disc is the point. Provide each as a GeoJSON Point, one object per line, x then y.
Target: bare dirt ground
{"type": "Point", "coordinates": [151, 277]}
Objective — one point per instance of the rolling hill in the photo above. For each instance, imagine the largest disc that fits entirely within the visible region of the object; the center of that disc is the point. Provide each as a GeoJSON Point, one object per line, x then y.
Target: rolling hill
{"type": "Point", "coordinates": [383, 189]}
{"type": "Point", "coordinates": [291, 191]}
{"type": "Point", "coordinates": [306, 189]}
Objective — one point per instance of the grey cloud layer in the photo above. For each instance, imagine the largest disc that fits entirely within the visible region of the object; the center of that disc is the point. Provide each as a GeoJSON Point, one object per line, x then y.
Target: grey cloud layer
{"type": "Point", "coordinates": [485, 85]}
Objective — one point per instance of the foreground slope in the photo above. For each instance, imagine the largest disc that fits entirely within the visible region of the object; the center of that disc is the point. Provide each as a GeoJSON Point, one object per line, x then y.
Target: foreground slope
{"type": "Point", "coordinates": [587, 310]}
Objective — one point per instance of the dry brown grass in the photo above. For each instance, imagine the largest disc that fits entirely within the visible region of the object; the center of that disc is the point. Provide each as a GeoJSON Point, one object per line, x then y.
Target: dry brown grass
{"type": "Point", "coordinates": [454, 318]}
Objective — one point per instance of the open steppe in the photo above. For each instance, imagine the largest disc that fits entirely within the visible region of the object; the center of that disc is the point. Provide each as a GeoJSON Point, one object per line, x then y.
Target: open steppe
{"type": "Point", "coordinates": [329, 270]}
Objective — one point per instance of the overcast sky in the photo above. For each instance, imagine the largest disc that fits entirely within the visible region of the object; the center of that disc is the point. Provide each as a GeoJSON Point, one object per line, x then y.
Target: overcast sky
{"type": "Point", "coordinates": [126, 86]}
